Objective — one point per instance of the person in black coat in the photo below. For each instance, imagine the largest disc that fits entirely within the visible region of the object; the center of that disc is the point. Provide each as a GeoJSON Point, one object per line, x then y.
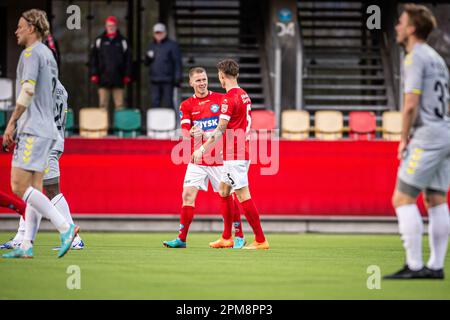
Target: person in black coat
{"type": "Point", "coordinates": [110, 64]}
{"type": "Point", "coordinates": [163, 58]}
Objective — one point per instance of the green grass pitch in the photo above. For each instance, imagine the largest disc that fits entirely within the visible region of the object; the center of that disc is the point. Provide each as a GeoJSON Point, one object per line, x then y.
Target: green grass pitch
{"type": "Point", "coordinates": [137, 266]}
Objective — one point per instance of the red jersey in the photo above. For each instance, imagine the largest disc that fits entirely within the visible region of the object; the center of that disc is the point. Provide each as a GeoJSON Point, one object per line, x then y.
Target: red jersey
{"type": "Point", "coordinates": [204, 113]}
{"type": "Point", "coordinates": [236, 108]}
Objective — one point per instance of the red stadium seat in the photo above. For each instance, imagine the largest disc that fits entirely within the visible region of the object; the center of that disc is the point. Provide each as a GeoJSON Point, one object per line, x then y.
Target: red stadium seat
{"type": "Point", "coordinates": [263, 123]}
{"type": "Point", "coordinates": [362, 125]}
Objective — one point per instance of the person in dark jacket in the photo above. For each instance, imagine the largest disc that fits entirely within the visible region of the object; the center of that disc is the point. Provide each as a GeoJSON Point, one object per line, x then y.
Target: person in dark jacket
{"type": "Point", "coordinates": [163, 58]}
{"type": "Point", "coordinates": [110, 64]}
{"type": "Point", "coordinates": [52, 44]}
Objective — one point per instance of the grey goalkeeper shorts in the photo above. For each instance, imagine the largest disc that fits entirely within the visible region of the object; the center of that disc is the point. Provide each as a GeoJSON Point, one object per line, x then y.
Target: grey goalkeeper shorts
{"type": "Point", "coordinates": [425, 166]}
{"type": "Point", "coordinates": [31, 152]}
{"type": "Point", "coordinates": [52, 173]}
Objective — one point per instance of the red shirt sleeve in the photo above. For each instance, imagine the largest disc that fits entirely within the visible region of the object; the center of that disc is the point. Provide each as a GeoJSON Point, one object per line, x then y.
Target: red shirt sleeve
{"type": "Point", "coordinates": [185, 118]}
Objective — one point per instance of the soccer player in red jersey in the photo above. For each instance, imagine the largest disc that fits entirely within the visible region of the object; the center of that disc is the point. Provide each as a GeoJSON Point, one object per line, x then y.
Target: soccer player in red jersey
{"type": "Point", "coordinates": [13, 203]}
{"type": "Point", "coordinates": [199, 117]}
{"type": "Point", "coordinates": [16, 204]}
{"type": "Point", "coordinates": [234, 115]}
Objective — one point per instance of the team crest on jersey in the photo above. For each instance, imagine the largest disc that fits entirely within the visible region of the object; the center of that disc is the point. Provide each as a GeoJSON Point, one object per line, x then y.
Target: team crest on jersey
{"type": "Point", "coordinates": [214, 108]}
{"type": "Point", "coordinates": [224, 108]}
{"type": "Point", "coordinates": [181, 114]}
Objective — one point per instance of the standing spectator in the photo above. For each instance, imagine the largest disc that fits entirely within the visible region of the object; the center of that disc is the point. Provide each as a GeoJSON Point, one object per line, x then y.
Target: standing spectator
{"type": "Point", "coordinates": [111, 64]}
{"type": "Point", "coordinates": [164, 60]}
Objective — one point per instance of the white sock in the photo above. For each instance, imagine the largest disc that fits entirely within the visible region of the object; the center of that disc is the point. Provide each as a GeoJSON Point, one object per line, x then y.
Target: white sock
{"type": "Point", "coordinates": [33, 219]}
{"type": "Point", "coordinates": [43, 205]}
{"type": "Point", "coordinates": [410, 225]}
{"type": "Point", "coordinates": [26, 244]}
{"type": "Point", "coordinates": [31, 223]}
{"type": "Point", "coordinates": [21, 231]}
{"type": "Point", "coordinates": [63, 207]}
{"type": "Point", "coordinates": [438, 230]}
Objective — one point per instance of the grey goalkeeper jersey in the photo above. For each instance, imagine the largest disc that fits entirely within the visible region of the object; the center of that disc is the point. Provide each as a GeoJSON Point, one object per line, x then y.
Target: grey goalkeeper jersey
{"type": "Point", "coordinates": [426, 73]}
{"type": "Point", "coordinates": [60, 114]}
{"type": "Point", "coordinates": [37, 65]}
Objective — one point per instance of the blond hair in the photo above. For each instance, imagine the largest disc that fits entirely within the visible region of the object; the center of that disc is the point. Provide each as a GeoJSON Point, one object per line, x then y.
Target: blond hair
{"type": "Point", "coordinates": [195, 70]}
{"type": "Point", "coordinates": [38, 19]}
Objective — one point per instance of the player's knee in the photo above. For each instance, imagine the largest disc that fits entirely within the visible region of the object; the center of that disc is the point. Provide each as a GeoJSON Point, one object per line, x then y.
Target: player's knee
{"type": "Point", "coordinates": [433, 199]}
{"type": "Point", "coordinates": [188, 198]}
{"type": "Point", "coordinates": [243, 194]}
{"type": "Point", "coordinates": [399, 199]}
{"type": "Point", "coordinates": [18, 188]}
{"type": "Point", "coordinates": [51, 190]}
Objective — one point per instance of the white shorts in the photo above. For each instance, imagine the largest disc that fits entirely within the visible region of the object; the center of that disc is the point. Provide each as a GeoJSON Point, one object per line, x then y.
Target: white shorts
{"type": "Point", "coordinates": [198, 176]}
{"type": "Point", "coordinates": [235, 173]}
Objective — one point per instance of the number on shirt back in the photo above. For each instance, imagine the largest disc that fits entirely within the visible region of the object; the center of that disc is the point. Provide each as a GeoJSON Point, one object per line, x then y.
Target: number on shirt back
{"type": "Point", "coordinates": [441, 88]}
{"type": "Point", "coordinates": [249, 121]}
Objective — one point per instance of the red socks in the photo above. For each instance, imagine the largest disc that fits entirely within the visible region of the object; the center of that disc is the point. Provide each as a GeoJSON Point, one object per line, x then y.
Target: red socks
{"type": "Point", "coordinates": [13, 203]}
{"type": "Point", "coordinates": [237, 223]}
{"type": "Point", "coordinates": [226, 209]}
{"type": "Point", "coordinates": [187, 214]}
{"type": "Point", "coordinates": [252, 215]}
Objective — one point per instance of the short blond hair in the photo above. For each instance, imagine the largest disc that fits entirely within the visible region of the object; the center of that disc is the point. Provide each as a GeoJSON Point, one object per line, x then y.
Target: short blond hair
{"type": "Point", "coordinates": [38, 19]}
{"type": "Point", "coordinates": [195, 70]}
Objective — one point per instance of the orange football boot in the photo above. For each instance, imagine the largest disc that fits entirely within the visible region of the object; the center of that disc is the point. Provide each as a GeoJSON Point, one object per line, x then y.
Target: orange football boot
{"type": "Point", "coordinates": [222, 243]}
{"type": "Point", "coordinates": [257, 246]}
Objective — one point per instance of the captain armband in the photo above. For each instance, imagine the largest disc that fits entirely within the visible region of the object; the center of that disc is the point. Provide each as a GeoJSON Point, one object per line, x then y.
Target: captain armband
{"type": "Point", "coordinates": [26, 94]}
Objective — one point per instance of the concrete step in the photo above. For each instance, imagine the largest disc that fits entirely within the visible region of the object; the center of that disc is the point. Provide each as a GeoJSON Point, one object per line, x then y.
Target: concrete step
{"type": "Point", "coordinates": [345, 98]}
{"type": "Point", "coordinates": [236, 54]}
{"type": "Point", "coordinates": [343, 67]}
{"type": "Point", "coordinates": [212, 35]}
{"type": "Point", "coordinates": [347, 107]}
{"type": "Point", "coordinates": [343, 87]}
{"type": "Point", "coordinates": [343, 77]}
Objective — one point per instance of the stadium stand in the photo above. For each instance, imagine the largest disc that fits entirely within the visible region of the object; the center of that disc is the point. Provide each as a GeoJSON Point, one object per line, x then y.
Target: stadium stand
{"type": "Point", "coordinates": [161, 123]}
{"type": "Point", "coordinates": [93, 122]}
{"type": "Point", "coordinates": [212, 30]}
{"type": "Point", "coordinates": [127, 123]}
{"type": "Point", "coordinates": [392, 125]}
{"type": "Point", "coordinates": [6, 94]}
{"type": "Point", "coordinates": [343, 64]}
{"type": "Point", "coordinates": [329, 124]}
{"type": "Point", "coordinates": [295, 124]}
{"type": "Point", "coordinates": [362, 125]}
